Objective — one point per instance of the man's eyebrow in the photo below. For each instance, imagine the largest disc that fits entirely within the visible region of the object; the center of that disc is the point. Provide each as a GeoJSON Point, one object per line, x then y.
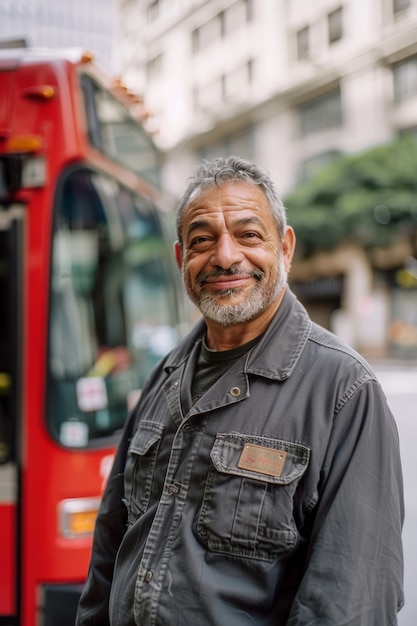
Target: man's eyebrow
{"type": "Point", "coordinates": [250, 219]}
{"type": "Point", "coordinates": [196, 225]}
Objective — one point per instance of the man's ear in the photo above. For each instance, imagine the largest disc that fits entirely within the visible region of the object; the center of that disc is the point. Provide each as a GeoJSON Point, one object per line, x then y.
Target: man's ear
{"type": "Point", "coordinates": [288, 247]}
{"type": "Point", "coordinates": [178, 254]}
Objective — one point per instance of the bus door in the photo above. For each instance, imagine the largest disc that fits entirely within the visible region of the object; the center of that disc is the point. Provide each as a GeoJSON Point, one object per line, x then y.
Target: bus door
{"type": "Point", "coordinates": [11, 289]}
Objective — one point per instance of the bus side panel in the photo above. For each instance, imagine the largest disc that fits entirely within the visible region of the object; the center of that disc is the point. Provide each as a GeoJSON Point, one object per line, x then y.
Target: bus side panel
{"type": "Point", "coordinates": [7, 558]}
{"type": "Point", "coordinates": [49, 474]}
{"type": "Point", "coordinates": [53, 563]}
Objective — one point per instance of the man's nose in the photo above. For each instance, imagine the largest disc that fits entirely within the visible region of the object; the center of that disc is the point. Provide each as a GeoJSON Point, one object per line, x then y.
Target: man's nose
{"type": "Point", "coordinates": [227, 252]}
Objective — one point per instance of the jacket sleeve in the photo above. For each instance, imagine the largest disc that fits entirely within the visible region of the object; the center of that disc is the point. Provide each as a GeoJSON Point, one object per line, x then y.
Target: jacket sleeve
{"type": "Point", "coordinates": [109, 531]}
{"type": "Point", "coordinates": [354, 567]}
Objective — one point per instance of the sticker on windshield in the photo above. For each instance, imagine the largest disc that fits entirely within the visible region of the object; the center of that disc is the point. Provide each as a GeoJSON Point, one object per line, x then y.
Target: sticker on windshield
{"type": "Point", "coordinates": [91, 393]}
{"type": "Point", "coordinates": [74, 433]}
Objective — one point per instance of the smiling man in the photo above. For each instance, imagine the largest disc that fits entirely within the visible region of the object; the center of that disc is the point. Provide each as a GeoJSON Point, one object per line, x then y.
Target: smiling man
{"type": "Point", "coordinates": [258, 480]}
{"type": "Point", "coordinates": [234, 261]}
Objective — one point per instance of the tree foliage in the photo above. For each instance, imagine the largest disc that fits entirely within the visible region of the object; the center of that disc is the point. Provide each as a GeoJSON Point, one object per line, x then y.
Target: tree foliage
{"type": "Point", "coordinates": [369, 198]}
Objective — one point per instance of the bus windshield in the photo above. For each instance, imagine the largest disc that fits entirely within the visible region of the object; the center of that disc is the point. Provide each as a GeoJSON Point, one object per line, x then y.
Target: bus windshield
{"type": "Point", "coordinates": [115, 133]}
{"type": "Point", "coordinates": [112, 304]}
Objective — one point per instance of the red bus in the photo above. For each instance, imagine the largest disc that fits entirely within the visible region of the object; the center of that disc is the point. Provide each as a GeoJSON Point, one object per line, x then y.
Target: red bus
{"type": "Point", "coordinates": [89, 302]}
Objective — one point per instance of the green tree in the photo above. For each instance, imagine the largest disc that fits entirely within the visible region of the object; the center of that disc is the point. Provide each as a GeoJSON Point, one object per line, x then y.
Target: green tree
{"type": "Point", "coordinates": [369, 198]}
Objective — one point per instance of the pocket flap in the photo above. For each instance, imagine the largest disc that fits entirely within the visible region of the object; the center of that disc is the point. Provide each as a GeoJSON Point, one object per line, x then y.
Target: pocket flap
{"type": "Point", "coordinates": [146, 435]}
{"type": "Point", "coordinates": [262, 458]}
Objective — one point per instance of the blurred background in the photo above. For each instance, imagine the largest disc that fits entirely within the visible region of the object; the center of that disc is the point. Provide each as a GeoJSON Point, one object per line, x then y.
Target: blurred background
{"type": "Point", "coordinates": [323, 95]}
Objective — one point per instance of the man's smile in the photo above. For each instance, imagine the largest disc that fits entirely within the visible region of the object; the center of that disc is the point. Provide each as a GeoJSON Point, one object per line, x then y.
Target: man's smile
{"type": "Point", "coordinates": [227, 282]}
{"type": "Point", "coordinates": [232, 278]}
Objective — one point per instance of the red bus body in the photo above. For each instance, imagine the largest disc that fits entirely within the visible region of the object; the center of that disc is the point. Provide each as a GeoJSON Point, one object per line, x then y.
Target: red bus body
{"type": "Point", "coordinates": [42, 114]}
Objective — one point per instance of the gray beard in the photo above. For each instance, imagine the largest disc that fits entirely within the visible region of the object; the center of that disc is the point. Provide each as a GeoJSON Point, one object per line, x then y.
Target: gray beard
{"type": "Point", "coordinates": [257, 301]}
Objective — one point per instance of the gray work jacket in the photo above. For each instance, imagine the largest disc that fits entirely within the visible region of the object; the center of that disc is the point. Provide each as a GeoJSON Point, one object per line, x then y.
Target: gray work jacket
{"type": "Point", "coordinates": [276, 500]}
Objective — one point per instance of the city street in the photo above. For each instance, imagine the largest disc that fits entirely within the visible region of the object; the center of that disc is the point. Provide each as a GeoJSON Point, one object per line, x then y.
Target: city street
{"type": "Point", "coordinates": [400, 385]}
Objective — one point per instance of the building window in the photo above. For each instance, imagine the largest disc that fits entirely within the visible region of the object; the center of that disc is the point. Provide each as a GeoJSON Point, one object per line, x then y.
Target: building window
{"type": "Point", "coordinates": [207, 33]}
{"type": "Point", "coordinates": [303, 44]}
{"type": "Point", "coordinates": [195, 40]}
{"type": "Point", "coordinates": [311, 166]}
{"type": "Point", "coordinates": [335, 25]}
{"type": "Point", "coordinates": [235, 84]}
{"type": "Point", "coordinates": [405, 78]}
{"type": "Point", "coordinates": [237, 15]}
{"type": "Point", "coordinates": [234, 17]}
{"type": "Point", "coordinates": [400, 5]}
{"type": "Point", "coordinates": [232, 87]}
{"type": "Point", "coordinates": [222, 24]}
{"type": "Point", "coordinates": [321, 113]}
{"type": "Point", "coordinates": [240, 143]}
{"type": "Point", "coordinates": [409, 132]}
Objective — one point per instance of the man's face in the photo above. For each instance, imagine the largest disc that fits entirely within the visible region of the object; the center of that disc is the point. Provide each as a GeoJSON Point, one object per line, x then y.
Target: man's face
{"type": "Point", "coordinates": [233, 263]}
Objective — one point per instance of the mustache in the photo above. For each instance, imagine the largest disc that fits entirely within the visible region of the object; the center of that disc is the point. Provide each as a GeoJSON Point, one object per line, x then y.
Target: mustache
{"type": "Point", "coordinates": [231, 271]}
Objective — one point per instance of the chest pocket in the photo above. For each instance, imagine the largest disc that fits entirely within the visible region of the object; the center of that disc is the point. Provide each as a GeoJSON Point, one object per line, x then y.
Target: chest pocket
{"type": "Point", "coordinates": [140, 467]}
{"type": "Point", "coordinates": [247, 507]}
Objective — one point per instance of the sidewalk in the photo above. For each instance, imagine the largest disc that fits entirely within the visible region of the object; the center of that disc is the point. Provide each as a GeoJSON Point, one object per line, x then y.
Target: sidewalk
{"type": "Point", "coordinates": [395, 376]}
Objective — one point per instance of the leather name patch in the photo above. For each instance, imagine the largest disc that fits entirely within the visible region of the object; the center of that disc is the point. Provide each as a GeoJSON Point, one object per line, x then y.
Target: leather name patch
{"type": "Point", "coordinates": [262, 460]}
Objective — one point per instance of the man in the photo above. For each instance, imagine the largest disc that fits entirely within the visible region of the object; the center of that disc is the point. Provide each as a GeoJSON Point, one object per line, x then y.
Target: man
{"type": "Point", "coordinates": [258, 480]}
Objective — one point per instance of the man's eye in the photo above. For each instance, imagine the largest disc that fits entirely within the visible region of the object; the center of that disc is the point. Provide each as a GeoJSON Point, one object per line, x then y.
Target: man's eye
{"type": "Point", "coordinates": [199, 242]}
{"type": "Point", "coordinates": [250, 235]}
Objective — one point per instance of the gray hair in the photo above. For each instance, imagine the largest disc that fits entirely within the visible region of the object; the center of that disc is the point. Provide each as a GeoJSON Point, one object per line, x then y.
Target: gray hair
{"type": "Point", "coordinates": [228, 170]}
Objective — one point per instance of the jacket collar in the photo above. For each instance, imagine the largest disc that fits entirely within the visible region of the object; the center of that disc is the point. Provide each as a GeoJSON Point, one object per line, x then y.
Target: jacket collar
{"type": "Point", "coordinates": [276, 354]}
{"type": "Point", "coordinates": [278, 351]}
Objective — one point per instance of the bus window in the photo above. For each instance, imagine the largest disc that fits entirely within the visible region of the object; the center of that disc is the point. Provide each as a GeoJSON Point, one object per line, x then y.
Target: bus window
{"type": "Point", "coordinates": [112, 306]}
{"type": "Point", "coordinates": [113, 131]}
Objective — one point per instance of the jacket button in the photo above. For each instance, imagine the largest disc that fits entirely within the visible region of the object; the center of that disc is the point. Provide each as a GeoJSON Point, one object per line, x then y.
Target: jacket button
{"type": "Point", "coordinates": [235, 391]}
{"type": "Point", "coordinates": [148, 577]}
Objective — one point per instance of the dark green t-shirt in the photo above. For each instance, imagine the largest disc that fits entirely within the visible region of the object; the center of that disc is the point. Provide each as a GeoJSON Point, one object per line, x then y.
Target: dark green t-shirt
{"type": "Point", "coordinates": [212, 364]}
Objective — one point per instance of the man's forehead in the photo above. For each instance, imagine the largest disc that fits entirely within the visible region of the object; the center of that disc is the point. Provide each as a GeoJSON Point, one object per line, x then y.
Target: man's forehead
{"type": "Point", "coordinates": [244, 192]}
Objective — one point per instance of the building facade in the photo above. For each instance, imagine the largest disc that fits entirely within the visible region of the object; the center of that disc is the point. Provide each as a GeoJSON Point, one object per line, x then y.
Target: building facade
{"type": "Point", "coordinates": [289, 84]}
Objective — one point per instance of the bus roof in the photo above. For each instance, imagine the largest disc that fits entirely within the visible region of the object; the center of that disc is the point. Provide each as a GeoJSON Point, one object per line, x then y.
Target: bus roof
{"type": "Point", "coordinates": [10, 58]}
